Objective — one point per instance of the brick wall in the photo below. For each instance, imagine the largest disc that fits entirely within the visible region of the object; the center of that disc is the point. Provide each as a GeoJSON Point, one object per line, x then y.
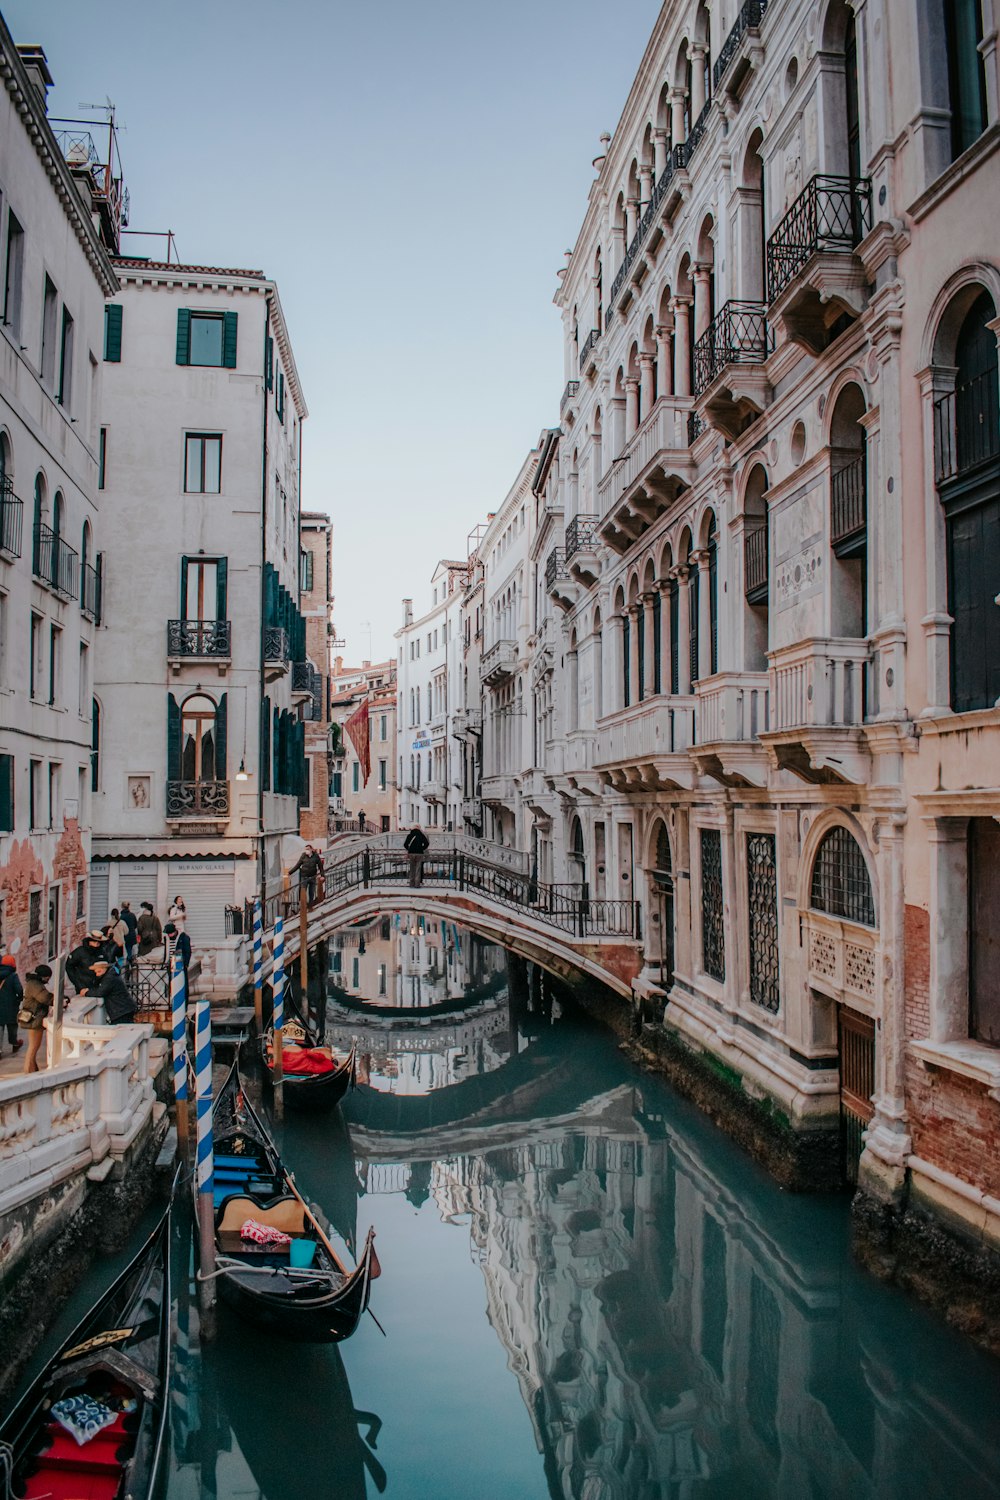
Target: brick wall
{"type": "Point", "coordinates": [917, 929]}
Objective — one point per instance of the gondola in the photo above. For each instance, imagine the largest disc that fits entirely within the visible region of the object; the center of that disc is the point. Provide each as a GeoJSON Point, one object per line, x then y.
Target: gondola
{"type": "Point", "coordinates": [110, 1379]}
{"type": "Point", "coordinates": [299, 1289]}
{"type": "Point", "coordinates": [327, 1082]}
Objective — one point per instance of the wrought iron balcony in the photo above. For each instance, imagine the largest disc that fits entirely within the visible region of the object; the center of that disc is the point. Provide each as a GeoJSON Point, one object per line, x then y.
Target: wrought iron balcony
{"type": "Point", "coordinates": [737, 335]}
{"type": "Point", "coordinates": [848, 505]}
{"type": "Point", "coordinates": [91, 588]}
{"type": "Point", "coordinates": [750, 14]}
{"type": "Point", "coordinates": [695, 427]}
{"type": "Point", "coordinates": [276, 646]}
{"type": "Point", "coordinates": [198, 638]}
{"type": "Point", "coordinates": [555, 568]}
{"type": "Point", "coordinates": [697, 132]}
{"type": "Point", "coordinates": [755, 565]}
{"type": "Point", "coordinates": [197, 799]}
{"type": "Point", "coordinates": [589, 342]}
{"type": "Point", "coordinates": [581, 536]}
{"type": "Point", "coordinates": [54, 562]}
{"type": "Point", "coordinates": [830, 214]}
{"type": "Point", "coordinates": [967, 427]}
{"type": "Point", "coordinates": [572, 386]}
{"type": "Point", "coordinates": [302, 674]}
{"type": "Point", "coordinates": [11, 519]}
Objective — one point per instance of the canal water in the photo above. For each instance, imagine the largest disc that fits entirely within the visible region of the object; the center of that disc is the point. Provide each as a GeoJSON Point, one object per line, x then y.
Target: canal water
{"type": "Point", "coordinates": [588, 1292]}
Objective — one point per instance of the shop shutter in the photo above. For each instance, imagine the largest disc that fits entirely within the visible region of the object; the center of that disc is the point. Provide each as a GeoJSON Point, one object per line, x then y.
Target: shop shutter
{"type": "Point", "coordinates": [229, 340]}
{"type": "Point", "coordinates": [113, 332]}
{"type": "Point", "coordinates": [183, 336]}
{"type": "Point", "coordinates": [206, 895]}
{"type": "Point", "coordinates": [98, 893]}
{"type": "Point", "coordinates": [137, 884]}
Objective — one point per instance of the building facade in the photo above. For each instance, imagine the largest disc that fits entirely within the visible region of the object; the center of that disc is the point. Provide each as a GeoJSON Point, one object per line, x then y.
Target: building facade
{"type": "Point", "coordinates": [316, 606]}
{"type": "Point", "coordinates": [199, 744]}
{"type": "Point", "coordinates": [766, 554]}
{"type": "Point", "coordinates": [60, 213]}
{"type": "Point", "coordinates": [430, 691]}
{"type": "Point", "coordinates": [352, 795]}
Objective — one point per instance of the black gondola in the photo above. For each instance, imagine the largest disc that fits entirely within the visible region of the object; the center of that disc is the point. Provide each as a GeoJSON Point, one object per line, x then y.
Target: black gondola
{"type": "Point", "coordinates": [309, 1296]}
{"type": "Point", "coordinates": [112, 1378]}
{"type": "Point", "coordinates": [308, 1091]}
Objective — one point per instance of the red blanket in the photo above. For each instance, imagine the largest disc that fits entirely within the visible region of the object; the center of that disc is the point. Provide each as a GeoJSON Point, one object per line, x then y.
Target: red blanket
{"type": "Point", "coordinates": [306, 1060]}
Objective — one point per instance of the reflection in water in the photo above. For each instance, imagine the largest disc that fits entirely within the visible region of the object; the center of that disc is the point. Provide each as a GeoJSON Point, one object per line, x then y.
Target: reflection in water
{"type": "Point", "coordinates": [661, 1321]}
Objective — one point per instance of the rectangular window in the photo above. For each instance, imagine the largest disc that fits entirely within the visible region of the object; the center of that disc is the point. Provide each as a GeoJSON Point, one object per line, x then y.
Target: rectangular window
{"type": "Point", "coordinates": [269, 361]}
{"type": "Point", "coordinates": [82, 777]}
{"type": "Point", "coordinates": [202, 464]}
{"type": "Point", "coordinates": [113, 332]}
{"type": "Point", "coordinates": [55, 663]}
{"type": "Point", "coordinates": [355, 972]}
{"type": "Point", "coordinates": [382, 775]}
{"type": "Point", "coordinates": [13, 277]}
{"type": "Point", "coordinates": [762, 907]}
{"type": "Point", "coordinates": [53, 921]}
{"type": "Point", "coordinates": [54, 811]}
{"type": "Point", "coordinates": [34, 793]}
{"type": "Point", "coordinates": [81, 899]}
{"type": "Point", "coordinates": [83, 681]}
{"type": "Point", "coordinates": [279, 400]}
{"type": "Point", "coordinates": [65, 397]}
{"type": "Point", "coordinates": [713, 939]}
{"type": "Point", "coordinates": [203, 588]}
{"type": "Point", "coordinates": [34, 913]}
{"type": "Point", "coordinates": [381, 978]}
{"type": "Point", "coordinates": [35, 660]}
{"type": "Point", "coordinates": [6, 794]}
{"type": "Point", "coordinates": [385, 822]}
{"type": "Point", "coordinates": [102, 458]}
{"type": "Point", "coordinates": [49, 310]}
{"type": "Point", "coordinates": [383, 731]}
{"type": "Point", "coordinates": [305, 572]}
{"type": "Point", "coordinates": [205, 339]}
{"type": "Point", "coordinates": [355, 776]}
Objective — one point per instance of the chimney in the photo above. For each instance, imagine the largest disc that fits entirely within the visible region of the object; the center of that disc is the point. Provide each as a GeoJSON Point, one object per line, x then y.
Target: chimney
{"type": "Point", "coordinates": [407, 611]}
{"type": "Point", "coordinates": [37, 69]}
{"type": "Point", "coordinates": [338, 665]}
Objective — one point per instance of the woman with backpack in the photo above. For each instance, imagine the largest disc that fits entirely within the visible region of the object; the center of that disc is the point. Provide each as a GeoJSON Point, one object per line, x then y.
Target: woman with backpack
{"type": "Point", "coordinates": [34, 1008]}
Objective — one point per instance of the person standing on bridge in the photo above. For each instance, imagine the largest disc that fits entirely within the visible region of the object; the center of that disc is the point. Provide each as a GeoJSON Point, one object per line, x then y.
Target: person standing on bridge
{"type": "Point", "coordinates": [416, 845]}
{"type": "Point", "coordinates": [310, 867]}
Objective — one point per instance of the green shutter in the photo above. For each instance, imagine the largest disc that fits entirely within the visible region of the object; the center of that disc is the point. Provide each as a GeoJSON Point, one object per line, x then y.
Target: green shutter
{"type": "Point", "coordinates": [113, 332]}
{"type": "Point", "coordinates": [269, 362]}
{"type": "Point", "coordinates": [265, 744]}
{"type": "Point", "coordinates": [184, 587]}
{"type": "Point", "coordinates": [221, 737]}
{"type": "Point", "coordinates": [6, 794]}
{"type": "Point", "coordinates": [173, 739]}
{"type": "Point", "coordinates": [221, 588]}
{"type": "Point", "coordinates": [277, 751]}
{"type": "Point", "coordinates": [229, 341]}
{"type": "Point", "coordinates": [183, 336]}
{"type": "Point", "coordinates": [280, 402]}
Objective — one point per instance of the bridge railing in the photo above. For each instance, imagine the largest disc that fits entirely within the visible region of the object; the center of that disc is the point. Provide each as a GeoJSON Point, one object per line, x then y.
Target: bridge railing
{"type": "Point", "coordinates": [569, 907]}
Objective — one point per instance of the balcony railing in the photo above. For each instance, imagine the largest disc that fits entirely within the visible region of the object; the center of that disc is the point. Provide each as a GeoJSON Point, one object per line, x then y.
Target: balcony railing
{"type": "Point", "coordinates": [755, 565]}
{"type": "Point", "coordinates": [11, 519]}
{"type": "Point", "coordinates": [732, 707]}
{"type": "Point", "coordinates": [819, 682]}
{"type": "Point", "coordinates": [737, 335]}
{"type": "Point", "coordinates": [697, 131]}
{"type": "Point", "coordinates": [197, 799]}
{"type": "Point", "coordinates": [658, 726]}
{"type": "Point", "coordinates": [750, 14]}
{"type": "Point", "coordinates": [589, 343]}
{"type": "Point", "coordinates": [581, 535]}
{"type": "Point", "coordinates": [276, 644]}
{"type": "Point", "coordinates": [498, 661]}
{"type": "Point", "coordinates": [831, 213]}
{"type": "Point", "coordinates": [572, 386]}
{"type": "Point", "coordinates": [302, 675]}
{"type": "Point", "coordinates": [198, 638]}
{"type": "Point", "coordinates": [660, 431]}
{"type": "Point", "coordinates": [967, 426]}
{"type": "Point", "coordinates": [91, 587]}
{"type": "Point", "coordinates": [848, 504]}
{"type": "Point", "coordinates": [54, 562]}
{"type": "Point", "coordinates": [555, 568]}
{"type": "Point", "coordinates": [695, 427]}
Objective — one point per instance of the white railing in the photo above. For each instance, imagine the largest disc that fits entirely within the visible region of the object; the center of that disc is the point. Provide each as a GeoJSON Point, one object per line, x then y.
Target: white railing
{"type": "Point", "coordinates": [732, 706]}
{"type": "Point", "coordinates": [664, 428]}
{"type": "Point", "coordinates": [656, 727]}
{"type": "Point", "coordinates": [818, 683]}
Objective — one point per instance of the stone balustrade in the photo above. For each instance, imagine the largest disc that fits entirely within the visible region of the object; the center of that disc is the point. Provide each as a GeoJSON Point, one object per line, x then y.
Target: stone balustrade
{"type": "Point", "coordinates": [819, 682]}
{"type": "Point", "coordinates": [732, 707]}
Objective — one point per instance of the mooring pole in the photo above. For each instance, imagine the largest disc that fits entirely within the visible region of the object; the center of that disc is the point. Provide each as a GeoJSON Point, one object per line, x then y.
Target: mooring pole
{"type": "Point", "coordinates": [178, 1009]}
{"type": "Point", "coordinates": [278, 1016]}
{"type": "Point", "coordinates": [304, 949]}
{"type": "Point", "coordinates": [258, 966]}
{"type": "Point", "coordinates": [205, 1169]}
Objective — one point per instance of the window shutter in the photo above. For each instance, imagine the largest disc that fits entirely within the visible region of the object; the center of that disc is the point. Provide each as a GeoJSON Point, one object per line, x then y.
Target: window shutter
{"type": "Point", "coordinates": [113, 332]}
{"type": "Point", "coordinates": [173, 739]}
{"type": "Point", "coordinates": [269, 362]}
{"type": "Point", "coordinates": [6, 793]}
{"type": "Point", "coordinates": [265, 744]}
{"type": "Point", "coordinates": [221, 587]}
{"type": "Point", "coordinates": [184, 587]}
{"type": "Point", "coordinates": [183, 336]}
{"type": "Point", "coordinates": [229, 340]}
{"type": "Point", "coordinates": [221, 737]}
{"type": "Point", "coordinates": [281, 397]}
{"type": "Point", "coordinates": [277, 751]}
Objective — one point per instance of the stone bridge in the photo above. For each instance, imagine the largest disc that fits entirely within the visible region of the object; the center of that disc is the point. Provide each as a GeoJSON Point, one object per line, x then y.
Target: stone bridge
{"type": "Point", "coordinates": [562, 928]}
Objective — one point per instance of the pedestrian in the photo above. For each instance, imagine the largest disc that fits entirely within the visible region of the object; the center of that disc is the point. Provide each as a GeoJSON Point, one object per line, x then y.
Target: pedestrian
{"type": "Point", "coordinates": [148, 927]}
{"type": "Point", "coordinates": [35, 1007]}
{"type": "Point", "coordinates": [119, 933]}
{"type": "Point", "coordinates": [178, 913]}
{"type": "Point", "coordinates": [361, 821]}
{"type": "Point", "coordinates": [80, 963]}
{"type": "Point", "coordinates": [128, 917]}
{"type": "Point", "coordinates": [416, 845]}
{"type": "Point", "coordinates": [310, 867]}
{"type": "Point", "coordinates": [175, 941]}
{"type": "Point", "coordinates": [11, 994]}
{"type": "Point", "coordinates": [110, 987]}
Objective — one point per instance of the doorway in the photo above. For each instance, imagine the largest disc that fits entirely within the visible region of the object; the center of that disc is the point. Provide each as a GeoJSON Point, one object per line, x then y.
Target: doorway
{"type": "Point", "coordinates": [856, 1047]}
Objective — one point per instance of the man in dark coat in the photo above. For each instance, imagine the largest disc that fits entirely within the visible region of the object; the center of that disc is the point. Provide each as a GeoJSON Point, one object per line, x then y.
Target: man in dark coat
{"type": "Point", "coordinates": [129, 918]}
{"type": "Point", "coordinates": [80, 963]}
{"type": "Point", "coordinates": [310, 867]}
{"type": "Point", "coordinates": [175, 942]}
{"type": "Point", "coordinates": [11, 994]}
{"type": "Point", "coordinates": [148, 928]}
{"type": "Point", "coordinates": [119, 1007]}
{"type": "Point", "coordinates": [416, 845]}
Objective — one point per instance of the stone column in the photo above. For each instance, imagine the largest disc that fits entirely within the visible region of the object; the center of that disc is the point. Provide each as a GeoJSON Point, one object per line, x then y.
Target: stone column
{"type": "Point", "coordinates": [887, 1136]}
{"type": "Point", "coordinates": [649, 645]}
{"type": "Point", "coordinates": [681, 309]}
{"type": "Point", "coordinates": [664, 589]}
{"type": "Point", "coordinates": [647, 393]}
{"type": "Point", "coordinates": [697, 55]}
{"type": "Point", "coordinates": [659, 153]}
{"type": "Point", "coordinates": [645, 187]}
{"type": "Point", "coordinates": [702, 299]}
{"type": "Point", "coordinates": [631, 219]}
{"type": "Point", "coordinates": [677, 97]}
{"type": "Point", "coordinates": [682, 575]}
{"type": "Point", "coordinates": [949, 957]}
{"type": "Point", "coordinates": [635, 617]}
{"type": "Point", "coordinates": [665, 360]}
{"type": "Point", "coordinates": [704, 614]}
{"type": "Point", "coordinates": [631, 405]}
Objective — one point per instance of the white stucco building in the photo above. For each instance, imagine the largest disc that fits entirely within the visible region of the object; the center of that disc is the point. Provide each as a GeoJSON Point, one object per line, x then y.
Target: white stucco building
{"type": "Point", "coordinates": [429, 693]}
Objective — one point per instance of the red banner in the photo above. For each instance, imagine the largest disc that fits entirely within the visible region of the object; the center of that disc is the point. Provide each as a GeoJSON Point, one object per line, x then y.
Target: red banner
{"type": "Point", "coordinates": [359, 729]}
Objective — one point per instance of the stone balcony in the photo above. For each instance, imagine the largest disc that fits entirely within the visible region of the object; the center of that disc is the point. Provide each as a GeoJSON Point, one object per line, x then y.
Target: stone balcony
{"type": "Point", "coordinates": [732, 713]}
{"type": "Point", "coordinates": [435, 791]}
{"type": "Point", "coordinates": [645, 748]}
{"type": "Point", "coordinates": [646, 478]}
{"type": "Point", "coordinates": [498, 662]}
{"type": "Point", "coordinates": [466, 721]}
{"type": "Point", "coordinates": [499, 789]}
{"type": "Point", "coordinates": [817, 705]}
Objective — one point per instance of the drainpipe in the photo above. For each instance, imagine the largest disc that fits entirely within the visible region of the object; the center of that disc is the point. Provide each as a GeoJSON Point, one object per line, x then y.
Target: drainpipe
{"type": "Point", "coordinates": [262, 745]}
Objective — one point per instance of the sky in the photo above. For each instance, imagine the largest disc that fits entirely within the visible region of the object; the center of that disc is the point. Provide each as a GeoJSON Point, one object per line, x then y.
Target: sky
{"type": "Point", "coordinates": [410, 175]}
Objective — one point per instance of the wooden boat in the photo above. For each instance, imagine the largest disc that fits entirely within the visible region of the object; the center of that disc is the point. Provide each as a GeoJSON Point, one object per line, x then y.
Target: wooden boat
{"type": "Point", "coordinates": [304, 1293]}
{"type": "Point", "coordinates": [310, 1090]}
{"type": "Point", "coordinates": [118, 1361]}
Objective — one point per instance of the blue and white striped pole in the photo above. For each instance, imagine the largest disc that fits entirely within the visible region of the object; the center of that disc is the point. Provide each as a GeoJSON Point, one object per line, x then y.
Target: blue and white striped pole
{"type": "Point", "coordinates": [204, 1160]}
{"type": "Point", "coordinates": [278, 1014]}
{"type": "Point", "coordinates": [258, 966]}
{"type": "Point", "coordinates": [178, 1009]}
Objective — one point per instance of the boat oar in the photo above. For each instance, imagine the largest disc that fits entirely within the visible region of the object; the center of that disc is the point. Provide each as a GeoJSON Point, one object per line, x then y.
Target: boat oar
{"type": "Point", "coordinates": [325, 1240]}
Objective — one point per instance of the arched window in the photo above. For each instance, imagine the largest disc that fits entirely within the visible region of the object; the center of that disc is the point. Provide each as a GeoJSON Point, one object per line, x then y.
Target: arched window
{"type": "Point", "coordinates": [849, 514]}
{"type": "Point", "coordinates": [577, 852]}
{"type": "Point", "coordinates": [840, 883]}
{"type": "Point", "coordinates": [663, 889]}
{"type": "Point", "coordinates": [626, 659]}
{"type": "Point", "coordinates": [713, 598]}
{"type": "Point", "coordinates": [198, 739]}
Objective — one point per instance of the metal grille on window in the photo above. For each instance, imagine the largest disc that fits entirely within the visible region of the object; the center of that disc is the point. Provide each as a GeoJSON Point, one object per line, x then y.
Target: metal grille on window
{"type": "Point", "coordinates": [762, 901]}
{"type": "Point", "coordinates": [713, 938]}
{"type": "Point", "coordinates": [840, 883]}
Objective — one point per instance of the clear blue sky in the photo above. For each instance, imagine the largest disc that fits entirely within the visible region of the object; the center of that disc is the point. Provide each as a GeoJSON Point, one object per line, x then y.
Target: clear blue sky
{"type": "Point", "coordinates": [410, 175]}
